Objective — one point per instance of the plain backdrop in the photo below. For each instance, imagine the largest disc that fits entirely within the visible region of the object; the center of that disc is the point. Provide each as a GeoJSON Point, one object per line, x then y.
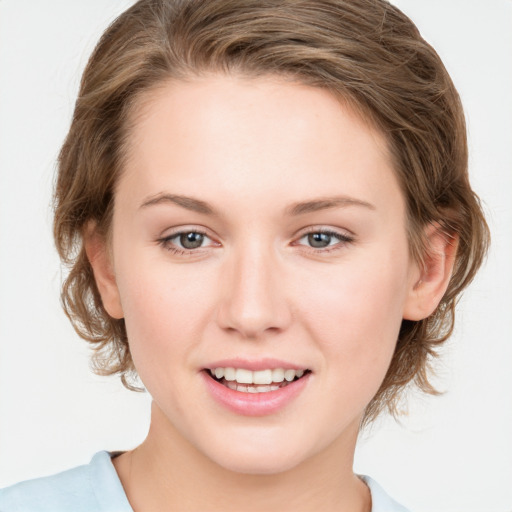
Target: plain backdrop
{"type": "Point", "coordinates": [448, 454]}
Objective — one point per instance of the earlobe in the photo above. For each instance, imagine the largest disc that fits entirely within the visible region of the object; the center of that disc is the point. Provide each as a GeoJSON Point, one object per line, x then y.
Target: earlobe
{"type": "Point", "coordinates": [97, 252]}
{"type": "Point", "coordinates": [433, 277]}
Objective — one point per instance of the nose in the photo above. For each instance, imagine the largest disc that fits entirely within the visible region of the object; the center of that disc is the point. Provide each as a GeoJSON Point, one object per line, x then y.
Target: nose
{"type": "Point", "coordinates": [253, 295]}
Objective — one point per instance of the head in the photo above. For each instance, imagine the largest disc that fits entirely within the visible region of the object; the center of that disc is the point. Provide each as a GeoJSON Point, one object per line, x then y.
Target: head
{"type": "Point", "coordinates": [364, 55]}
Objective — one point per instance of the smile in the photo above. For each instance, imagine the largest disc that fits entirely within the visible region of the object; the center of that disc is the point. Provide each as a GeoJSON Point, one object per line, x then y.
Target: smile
{"type": "Point", "coordinates": [257, 392]}
{"type": "Point", "coordinates": [260, 381]}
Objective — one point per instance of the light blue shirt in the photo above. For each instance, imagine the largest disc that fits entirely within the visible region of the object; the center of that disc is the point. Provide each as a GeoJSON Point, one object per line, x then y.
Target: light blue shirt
{"type": "Point", "coordinates": [95, 487]}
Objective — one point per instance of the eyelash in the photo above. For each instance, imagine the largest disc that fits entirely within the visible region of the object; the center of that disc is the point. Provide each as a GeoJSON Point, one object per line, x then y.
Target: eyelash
{"type": "Point", "coordinates": [342, 240]}
{"type": "Point", "coordinates": [165, 242]}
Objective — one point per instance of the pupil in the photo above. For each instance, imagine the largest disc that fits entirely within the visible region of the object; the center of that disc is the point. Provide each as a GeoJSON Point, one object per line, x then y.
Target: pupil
{"type": "Point", "coordinates": [319, 239]}
{"type": "Point", "coordinates": [191, 240]}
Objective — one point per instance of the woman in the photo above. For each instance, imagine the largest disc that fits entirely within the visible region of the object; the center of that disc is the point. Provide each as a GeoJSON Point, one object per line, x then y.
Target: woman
{"type": "Point", "coordinates": [268, 217]}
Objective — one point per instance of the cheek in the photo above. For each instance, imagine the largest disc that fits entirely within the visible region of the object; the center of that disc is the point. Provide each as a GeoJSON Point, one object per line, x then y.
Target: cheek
{"type": "Point", "coordinates": [162, 320]}
{"type": "Point", "coordinates": [165, 311]}
{"type": "Point", "coordinates": [359, 297]}
{"type": "Point", "coordinates": [356, 321]}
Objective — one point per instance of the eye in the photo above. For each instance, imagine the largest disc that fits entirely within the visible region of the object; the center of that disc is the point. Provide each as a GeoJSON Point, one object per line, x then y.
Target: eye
{"type": "Point", "coordinates": [325, 239]}
{"type": "Point", "coordinates": [184, 242]}
{"type": "Point", "coordinates": [191, 240]}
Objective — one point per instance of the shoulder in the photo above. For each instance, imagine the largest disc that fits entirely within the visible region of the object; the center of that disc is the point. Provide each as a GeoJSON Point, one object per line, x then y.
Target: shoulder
{"type": "Point", "coordinates": [381, 501]}
{"type": "Point", "coordinates": [94, 487]}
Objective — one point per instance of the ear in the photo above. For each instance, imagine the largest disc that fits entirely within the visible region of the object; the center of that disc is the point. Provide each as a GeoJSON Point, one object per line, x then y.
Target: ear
{"type": "Point", "coordinates": [432, 276]}
{"type": "Point", "coordinates": [98, 254]}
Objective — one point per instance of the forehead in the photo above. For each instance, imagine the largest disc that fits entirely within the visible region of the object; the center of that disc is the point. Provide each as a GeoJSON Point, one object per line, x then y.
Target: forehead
{"type": "Point", "coordinates": [252, 135]}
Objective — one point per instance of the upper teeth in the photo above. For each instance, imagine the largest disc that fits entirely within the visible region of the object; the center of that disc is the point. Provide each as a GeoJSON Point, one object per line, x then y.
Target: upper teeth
{"type": "Point", "coordinates": [243, 376]}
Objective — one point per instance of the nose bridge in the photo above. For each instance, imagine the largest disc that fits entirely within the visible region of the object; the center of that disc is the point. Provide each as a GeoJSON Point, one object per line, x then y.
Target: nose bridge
{"type": "Point", "coordinates": [253, 301]}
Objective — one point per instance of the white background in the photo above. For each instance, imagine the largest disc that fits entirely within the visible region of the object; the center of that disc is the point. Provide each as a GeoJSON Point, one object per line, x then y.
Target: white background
{"type": "Point", "coordinates": [451, 453]}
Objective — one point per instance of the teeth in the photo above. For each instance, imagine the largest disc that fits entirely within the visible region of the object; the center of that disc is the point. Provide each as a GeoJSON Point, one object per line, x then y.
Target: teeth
{"type": "Point", "coordinates": [262, 378]}
{"type": "Point", "coordinates": [229, 373]}
{"type": "Point", "coordinates": [289, 375]}
{"type": "Point", "coordinates": [244, 376]}
{"type": "Point", "coordinates": [278, 375]}
{"type": "Point", "coordinates": [250, 389]}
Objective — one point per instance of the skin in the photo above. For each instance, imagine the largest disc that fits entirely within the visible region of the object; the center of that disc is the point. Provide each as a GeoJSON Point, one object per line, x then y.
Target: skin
{"type": "Point", "coordinates": [251, 149]}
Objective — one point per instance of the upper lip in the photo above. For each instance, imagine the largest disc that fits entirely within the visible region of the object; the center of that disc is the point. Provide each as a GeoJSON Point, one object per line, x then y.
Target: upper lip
{"type": "Point", "coordinates": [255, 364]}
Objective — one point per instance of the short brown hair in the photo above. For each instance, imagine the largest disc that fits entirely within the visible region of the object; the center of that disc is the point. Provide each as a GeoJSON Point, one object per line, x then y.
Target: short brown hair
{"type": "Point", "coordinates": [366, 52]}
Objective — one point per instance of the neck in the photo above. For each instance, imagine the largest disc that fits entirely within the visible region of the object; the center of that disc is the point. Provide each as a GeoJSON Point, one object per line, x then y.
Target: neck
{"type": "Point", "coordinates": [166, 472]}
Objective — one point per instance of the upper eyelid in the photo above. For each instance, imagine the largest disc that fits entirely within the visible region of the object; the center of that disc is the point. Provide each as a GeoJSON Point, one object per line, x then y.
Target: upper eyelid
{"type": "Point", "coordinates": [181, 231]}
{"type": "Point", "coordinates": [171, 236]}
{"type": "Point", "coordinates": [344, 237]}
{"type": "Point", "coordinates": [327, 229]}
{"type": "Point", "coordinates": [341, 237]}
{"type": "Point", "coordinates": [305, 231]}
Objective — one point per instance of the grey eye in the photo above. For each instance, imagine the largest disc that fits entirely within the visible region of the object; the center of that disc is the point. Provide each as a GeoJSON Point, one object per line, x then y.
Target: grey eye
{"type": "Point", "coordinates": [191, 240]}
{"type": "Point", "coordinates": [319, 240]}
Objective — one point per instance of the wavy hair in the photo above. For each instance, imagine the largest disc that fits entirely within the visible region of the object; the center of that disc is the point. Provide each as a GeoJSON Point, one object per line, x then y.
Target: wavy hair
{"type": "Point", "coordinates": [366, 52]}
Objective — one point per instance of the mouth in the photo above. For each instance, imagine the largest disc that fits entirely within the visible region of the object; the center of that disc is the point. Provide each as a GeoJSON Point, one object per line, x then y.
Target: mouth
{"type": "Point", "coordinates": [259, 381]}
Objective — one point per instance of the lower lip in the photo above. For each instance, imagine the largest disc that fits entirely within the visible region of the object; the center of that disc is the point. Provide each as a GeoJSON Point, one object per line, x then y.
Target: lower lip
{"type": "Point", "coordinates": [254, 404]}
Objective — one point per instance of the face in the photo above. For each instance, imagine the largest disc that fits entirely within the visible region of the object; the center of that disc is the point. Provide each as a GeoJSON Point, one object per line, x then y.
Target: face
{"type": "Point", "coordinates": [258, 230]}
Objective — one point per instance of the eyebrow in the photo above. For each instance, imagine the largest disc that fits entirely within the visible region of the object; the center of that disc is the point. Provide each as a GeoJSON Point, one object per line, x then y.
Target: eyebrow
{"type": "Point", "coordinates": [195, 205]}
{"type": "Point", "coordinates": [300, 208]}
{"type": "Point", "coordinates": [326, 203]}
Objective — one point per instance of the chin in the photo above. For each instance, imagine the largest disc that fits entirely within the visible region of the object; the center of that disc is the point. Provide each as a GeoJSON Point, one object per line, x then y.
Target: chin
{"type": "Point", "coordinates": [263, 455]}
{"type": "Point", "coordinates": [258, 465]}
